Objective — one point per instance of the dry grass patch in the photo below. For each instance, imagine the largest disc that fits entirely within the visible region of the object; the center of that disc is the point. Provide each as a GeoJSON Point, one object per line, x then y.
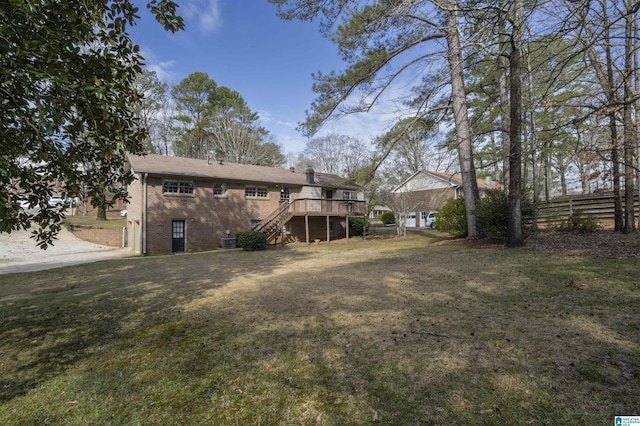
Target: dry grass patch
{"type": "Point", "coordinates": [389, 331]}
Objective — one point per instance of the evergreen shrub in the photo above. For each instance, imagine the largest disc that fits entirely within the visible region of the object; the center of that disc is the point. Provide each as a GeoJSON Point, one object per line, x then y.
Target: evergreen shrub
{"type": "Point", "coordinates": [451, 218]}
{"type": "Point", "coordinates": [357, 225]}
{"type": "Point", "coordinates": [251, 241]}
{"type": "Point", "coordinates": [580, 221]}
{"type": "Point", "coordinates": [387, 218]}
{"type": "Point", "coordinates": [492, 215]}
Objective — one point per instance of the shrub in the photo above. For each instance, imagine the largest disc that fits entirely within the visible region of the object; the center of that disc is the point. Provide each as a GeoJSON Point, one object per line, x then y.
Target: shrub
{"type": "Point", "coordinates": [492, 214]}
{"type": "Point", "coordinates": [451, 218]}
{"type": "Point", "coordinates": [251, 241]}
{"type": "Point", "coordinates": [581, 222]}
{"type": "Point", "coordinates": [357, 225]}
{"type": "Point", "coordinates": [387, 218]}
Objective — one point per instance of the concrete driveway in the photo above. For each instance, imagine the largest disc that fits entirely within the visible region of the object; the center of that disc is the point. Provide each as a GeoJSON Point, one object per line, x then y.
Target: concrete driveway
{"type": "Point", "coordinates": [19, 253]}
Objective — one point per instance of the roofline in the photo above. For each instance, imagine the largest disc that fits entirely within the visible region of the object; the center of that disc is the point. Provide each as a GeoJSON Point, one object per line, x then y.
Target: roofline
{"type": "Point", "coordinates": [195, 175]}
{"type": "Point", "coordinates": [453, 184]}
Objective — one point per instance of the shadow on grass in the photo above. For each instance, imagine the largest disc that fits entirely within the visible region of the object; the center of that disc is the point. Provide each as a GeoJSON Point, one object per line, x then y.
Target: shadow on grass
{"type": "Point", "coordinates": [54, 319]}
{"type": "Point", "coordinates": [397, 332]}
{"type": "Point", "coordinates": [514, 343]}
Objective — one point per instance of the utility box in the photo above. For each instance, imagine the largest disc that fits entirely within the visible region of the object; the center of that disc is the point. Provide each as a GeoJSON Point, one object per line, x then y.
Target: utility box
{"type": "Point", "coordinates": [228, 242]}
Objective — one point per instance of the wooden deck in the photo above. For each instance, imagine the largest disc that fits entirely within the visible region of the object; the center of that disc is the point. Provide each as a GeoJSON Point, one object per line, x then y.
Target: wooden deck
{"type": "Point", "coordinates": [324, 207]}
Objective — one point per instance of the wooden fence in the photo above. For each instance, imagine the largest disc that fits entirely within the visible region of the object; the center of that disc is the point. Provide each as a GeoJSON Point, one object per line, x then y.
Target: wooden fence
{"type": "Point", "coordinates": [600, 205]}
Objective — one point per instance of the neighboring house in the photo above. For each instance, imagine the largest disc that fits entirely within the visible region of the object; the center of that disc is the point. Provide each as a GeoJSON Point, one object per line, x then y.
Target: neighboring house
{"type": "Point", "coordinates": [377, 211]}
{"type": "Point", "coordinates": [185, 205]}
{"type": "Point", "coordinates": [426, 191]}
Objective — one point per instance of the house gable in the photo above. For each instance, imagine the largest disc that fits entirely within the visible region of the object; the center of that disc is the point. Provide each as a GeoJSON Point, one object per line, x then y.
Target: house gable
{"type": "Point", "coordinates": [425, 181]}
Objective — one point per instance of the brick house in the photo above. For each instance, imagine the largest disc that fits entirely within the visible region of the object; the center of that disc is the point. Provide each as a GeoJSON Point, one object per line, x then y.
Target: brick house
{"type": "Point", "coordinates": [186, 205]}
{"type": "Point", "coordinates": [426, 191]}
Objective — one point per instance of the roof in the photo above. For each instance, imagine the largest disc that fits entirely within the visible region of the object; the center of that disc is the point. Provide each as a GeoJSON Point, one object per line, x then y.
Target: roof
{"type": "Point", "coordinates": [454, 179]}
{"type": "Point", "coordinates": [162, 165]}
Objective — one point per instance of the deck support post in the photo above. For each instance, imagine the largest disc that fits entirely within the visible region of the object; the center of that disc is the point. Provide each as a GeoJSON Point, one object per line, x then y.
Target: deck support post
{"type": "Point", "coordinates": [328, 231]}
{"type": "Point", "coordinates": [346, 220]}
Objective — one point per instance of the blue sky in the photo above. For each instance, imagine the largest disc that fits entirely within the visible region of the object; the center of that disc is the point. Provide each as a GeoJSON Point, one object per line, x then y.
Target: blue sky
{"type": "Point", "coordinates": [245, 46]}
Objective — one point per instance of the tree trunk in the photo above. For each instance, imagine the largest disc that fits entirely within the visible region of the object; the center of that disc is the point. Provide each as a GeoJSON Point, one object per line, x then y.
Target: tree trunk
{"type": "Point", "coordinates": [613, 130]}
{"type": "Point", "coordinates": [608, 84]}
{"type": "Point", "coordinates": [547, 171]}
{"type": "Point", "coordinates": [504, 125]}
{"type": "Point", "coordinates": [636, 106]}
{"type": "Point", "coordinates": [562, 169]}
{"type": "Point", "coordinates": [514, 230]}
{"type": "Point", "coordinates": [102, 213]}
{"type": "Point", "coordinates": [629, 128]}
{"type": "Point", "coordinates": [503, 92]}
{"type": "Point", "coordinates": [459, 100]}
{"type": "Point", "coordinates": [533, 141]}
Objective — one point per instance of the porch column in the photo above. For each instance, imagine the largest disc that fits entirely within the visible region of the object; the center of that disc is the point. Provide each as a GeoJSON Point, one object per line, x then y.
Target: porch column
{"type": "Point", "coordinates": [328, 232]}
{"type": "Point", "coordinates": [306, 227]}
{"type": "Point", "coordinates": [346, 219]}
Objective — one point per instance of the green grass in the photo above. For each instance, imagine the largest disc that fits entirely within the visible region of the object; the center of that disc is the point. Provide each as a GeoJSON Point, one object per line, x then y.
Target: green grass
{"type": "Point", "coordinates": [394, 331]}
{"type": "Point", "coordinates": [113, 222]}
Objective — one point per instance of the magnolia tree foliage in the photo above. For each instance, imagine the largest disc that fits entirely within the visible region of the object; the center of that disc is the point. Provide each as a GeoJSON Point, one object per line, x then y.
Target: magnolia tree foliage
{"type": "Point", "coordinates": [67, 72]}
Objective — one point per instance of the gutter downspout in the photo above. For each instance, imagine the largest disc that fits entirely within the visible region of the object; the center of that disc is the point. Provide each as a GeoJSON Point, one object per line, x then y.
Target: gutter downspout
{"type": "Point", "coordinates": [144, 214]}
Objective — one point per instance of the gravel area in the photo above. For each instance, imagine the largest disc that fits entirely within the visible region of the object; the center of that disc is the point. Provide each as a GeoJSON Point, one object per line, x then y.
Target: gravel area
{"type": "Point", "coordinates": [19, 253]}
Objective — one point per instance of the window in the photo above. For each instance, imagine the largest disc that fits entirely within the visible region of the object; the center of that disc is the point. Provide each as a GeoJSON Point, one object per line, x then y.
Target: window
{"type": "Point", "coordinates": [348, 195]}
{"type": "Point", "coordinates": [285, 194]}
{"type": "Point", "coordinates": [219, 189]}
{"type": "Point", "coordinates": [256, 191]}
{"type": "Point", "coordinates": [177, 187]}
{"type": "Point", "coordinates": [332, 225]}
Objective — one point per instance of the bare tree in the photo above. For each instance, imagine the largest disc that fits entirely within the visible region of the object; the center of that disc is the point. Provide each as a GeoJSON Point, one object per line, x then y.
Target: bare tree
{"type": "Point", "coordinates": [337, 154]}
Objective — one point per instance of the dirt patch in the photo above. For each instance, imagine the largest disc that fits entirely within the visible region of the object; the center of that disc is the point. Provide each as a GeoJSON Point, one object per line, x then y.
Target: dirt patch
{"type": "Point", "coordinates": [105, 237]}
{"type": "Point", "coordinates": [604, 244]}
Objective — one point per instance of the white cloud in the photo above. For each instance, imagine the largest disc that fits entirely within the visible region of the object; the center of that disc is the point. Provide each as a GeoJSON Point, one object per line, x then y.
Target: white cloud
{"type": "Point", "coordinates": [163, 71]}
{"type": "Point", "coordinates": [206, 13]}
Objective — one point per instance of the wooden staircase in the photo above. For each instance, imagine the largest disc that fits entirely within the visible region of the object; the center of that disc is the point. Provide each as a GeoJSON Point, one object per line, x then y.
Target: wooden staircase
{"type": "Point", "coordinates": [272, 226]}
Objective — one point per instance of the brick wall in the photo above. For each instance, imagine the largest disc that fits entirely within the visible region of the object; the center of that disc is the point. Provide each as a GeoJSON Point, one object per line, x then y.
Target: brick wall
{"type": "Point", "coordinates": [206, 216]}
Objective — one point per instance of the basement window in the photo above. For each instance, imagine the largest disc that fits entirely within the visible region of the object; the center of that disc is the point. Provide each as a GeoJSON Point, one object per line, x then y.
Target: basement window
{"type": "Point", "coordinates": [256, 192]}
{"type": "Point", "coordinates": [219, 189]}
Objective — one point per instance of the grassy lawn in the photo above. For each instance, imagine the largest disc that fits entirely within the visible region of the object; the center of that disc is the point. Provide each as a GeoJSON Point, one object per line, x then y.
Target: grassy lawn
{"type": "Point", "coordinates": [387, 331]}
{"type": "Point", "coordinates": [113, 222]}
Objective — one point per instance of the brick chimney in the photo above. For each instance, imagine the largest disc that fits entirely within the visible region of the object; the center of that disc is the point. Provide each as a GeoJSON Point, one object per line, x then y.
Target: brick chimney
{"type": "Point", "coordinates": [310, 175]}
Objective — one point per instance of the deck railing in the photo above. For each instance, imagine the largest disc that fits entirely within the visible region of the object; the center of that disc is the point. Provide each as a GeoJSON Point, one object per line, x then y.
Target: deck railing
{"type": "Point", "coordinates": [324, 206]}
{"type": "Point", "coordinates": [310, 206]}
